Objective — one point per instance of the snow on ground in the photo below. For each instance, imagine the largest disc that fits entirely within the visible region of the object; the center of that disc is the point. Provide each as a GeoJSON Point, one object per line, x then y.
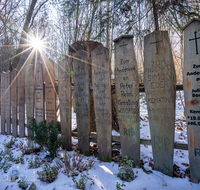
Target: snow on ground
{"type": "Point", "coordinates": [104, 174]}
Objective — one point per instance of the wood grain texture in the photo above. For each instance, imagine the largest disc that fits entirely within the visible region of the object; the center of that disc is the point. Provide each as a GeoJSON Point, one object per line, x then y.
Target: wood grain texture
{"type": "Point", "coordinates": [39, 90]}
{"type": "Point", "coordinates": [82, 100]}
{"type": "Point", "coordinates": [3, 102]}
{"type": "Point", "coordinates": [50, 93]}
{"type": "Point", "coordinates": [102, 99]}
{"type": "Point", "coordinates": [8, 102]}
{"type": "Point", "coordinates": [14, 100]}
{"type": "Point", "coordinates": [191, 85]}
{"type": "Point", "coordinates": [64, 93]}
{"type": "Point", "coordinates": [160, 85]}
{"type": "Point", "coordinates": [21, 102]}
{"type": "Point", "coordinates": [127, 95]}
{"type": "Point", "coordinates": [29, 92]}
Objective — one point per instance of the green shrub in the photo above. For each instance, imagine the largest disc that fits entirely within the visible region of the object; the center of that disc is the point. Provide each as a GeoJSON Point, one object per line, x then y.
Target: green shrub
{"type": "Point", "coordinates": [46, 135]}
{"type": "Point", "coordinates": [34, 162]}
{"type": "Point", "coordinates": [48, 173]}
{"type": "Point", "coordinates": [126, 170]}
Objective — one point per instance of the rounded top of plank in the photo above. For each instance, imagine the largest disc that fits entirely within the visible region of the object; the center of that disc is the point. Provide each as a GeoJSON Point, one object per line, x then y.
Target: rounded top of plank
{"type": "Point", "coordinates": [121, 37]}
{"type": "Point", "coordinates": [194, 19]}
{"type": "Point", "coordinates": [156, 32]}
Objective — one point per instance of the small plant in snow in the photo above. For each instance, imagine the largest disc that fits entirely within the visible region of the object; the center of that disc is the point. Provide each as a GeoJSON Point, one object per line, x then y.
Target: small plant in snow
{"type": "Point", "coordinates": [10, 143]}
{"type": "Point", "coordinates": [48, 173]}
{"type": "Point", "coordinates": [126, 170]}
{"type": "Point", "coordinates": [120, 186]}
{"type": "Point", "coordinates": [80, 184]}
{"type": "Point", "coordinates": [23, 184]}
{"type": "Point", "coordinates": [14, 175]}
{"type": "Point", "coordinates": [19, 159]}
{"type": "Point", "coordinates": [34, 162]}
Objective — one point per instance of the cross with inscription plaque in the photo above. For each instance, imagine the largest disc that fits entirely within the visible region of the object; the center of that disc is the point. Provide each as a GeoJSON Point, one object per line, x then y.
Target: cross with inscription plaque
{"type": "Point", "coordinates": [157, 42]}
{"type": "Point", "coordinates": [195, 38]}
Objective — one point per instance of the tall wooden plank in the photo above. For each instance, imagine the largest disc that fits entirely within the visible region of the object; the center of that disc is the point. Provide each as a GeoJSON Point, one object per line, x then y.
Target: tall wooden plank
{"type": "Point", "coordinates": [14, 99]}
{"type": "Point", "coordinates": [50, 93]}
{"type": "Point", "coordinates": [127, 95]}
{"type": "Point", "coordinates": [102, 100]}
{"type": "Point", "coordinates": [29, 92]}
{"type": "Point", "coordinates": [3, 102]}
{"type": "Point", "coordinates": [82, 100]}
{"type": "Point", "coordinates": [191, 85]}
{"type": "Point", "coordinates": [21, 102]}
{"type": "Point", "coordinates": [160, 85]}
{"type": "Point", "coordinates": [8, 103]}
{"type": "Point", "coordinates": [0, 93]}
{"type": "Point", "coordinates": [39, 100]}
{"type": "Point", "coordinates": [64, 93]}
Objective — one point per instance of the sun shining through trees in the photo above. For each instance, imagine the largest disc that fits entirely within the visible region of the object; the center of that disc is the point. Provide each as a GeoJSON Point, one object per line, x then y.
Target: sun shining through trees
{"type": "Point", "coordinates": [36, 43]}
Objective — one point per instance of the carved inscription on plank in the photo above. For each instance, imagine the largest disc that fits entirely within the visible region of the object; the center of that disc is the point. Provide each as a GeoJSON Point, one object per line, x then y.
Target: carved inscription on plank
{"type": "Point", "coordinates": [3, 102]}
{"type": "Point", "coordinates": [191, 86]}
{"type": "Point", "coordinates": [160, 81]}
{"type": "Point", "coordinates": [127, 93]}
{"type": "Point", "coordinates": [102, 99]}
{"type": "Point", "coordinates": [50, 93]}
{"type": "Point", "coordinates": [14, 99]}
{"type": "Point", "coordinates": [39, 101]}
{"type": "Point", "coordinates": [64, 93]}
{"type": "Point", "coordinates": [8, 103]}
{"type": "Point", "coordinates": [82, 100]}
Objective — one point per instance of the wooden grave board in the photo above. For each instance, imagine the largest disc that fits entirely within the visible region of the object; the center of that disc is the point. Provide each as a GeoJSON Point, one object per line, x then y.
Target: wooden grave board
{"type": "Point", "coordinates": [0, 94]}
{"type": "Point", "coordinates": [8, 103]}
{"type": "Point", "coordinates": [191, 85]}
{"type": "Point", "coordinates": [3, 102]}
{"type": "Point", "coordinates": [64, 94]}
{"type": "Point", "coordinates": [29, 92]}
{"type": "Point", "coordinates": [50, 93]}
{"type": "Point", "coordinates": [160, 89]}
{"type": "Point", "coordinates": [102, 100]}
{"type": "Point", "coordinates": [14, 100]}
{"type": "Point", "coordinates": [39, 89]}
{"type": "Point", "coordinates": [21, 102]}
{"type": "Point", "coordinates": [82, 100]}
{"type": "Point", "coordinates": [127, 97]}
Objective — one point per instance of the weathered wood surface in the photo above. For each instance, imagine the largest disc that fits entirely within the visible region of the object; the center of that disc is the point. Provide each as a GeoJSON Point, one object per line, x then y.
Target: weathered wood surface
{"type": "Point", "coordinates": [64, 94]}
{"type": "Point", "coordinates": [0, 93]}
{"type": "Point", "coordinates": [50, 93]}
{"type": "Point", "coordinates": [29, 92]}
{"type": "Point", "coordinates": [191, 85]}
{"type": "Point", "coordinates": [127, 95]}
{"type": "Point", "coordinates": [82, 100]}
{"type": "Point", "coordinates": [102, 99]}
{"type": "Point", "coordinates": [160, 84]}
{"type": "Point", "coordinates": [8, 103]}
{"type": "Point", "coordinates": [14, 99]}
{"type": "Point", "coordinates": [21, 102]}
{"type": "Point", "coordinates": [39, 99]}
{"type": "Point", "coordinates": [3, 102]}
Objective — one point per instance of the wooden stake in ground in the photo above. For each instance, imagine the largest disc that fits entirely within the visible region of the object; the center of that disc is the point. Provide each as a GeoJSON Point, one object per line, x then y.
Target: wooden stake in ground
{"type": "Point", "coordinates": [21, 102]}
{"type": "Point", "coordinates": [8, 103]}
{"type": "Point", "coordinates": [127, 93]}
{"type": "Point", "coordinates": [82, 100]}
{"type": "Point", "coordinates": [50, 93]}
{"type": "Point", "coordinates": [160, 86]}
{"type": "Point", "coordinates": [102, 100]}
{"type": "Point", "coordinates": [191, 85]}
{"type": "Point", "coordinates": [3, 102]}
{"type": "Point", "coordinates": [64, 93]}
{"type": "Point", "coordinates": [14, 99]}
{"type": "Point", "coordinates": [39, 98]}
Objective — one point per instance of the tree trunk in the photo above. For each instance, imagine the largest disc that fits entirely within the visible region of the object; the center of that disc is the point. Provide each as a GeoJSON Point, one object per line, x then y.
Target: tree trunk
{"type": "Point", "coordinates": [108, 27]}
{"type": "Point", "coordinates": [24, 33]}
{"type": "Point", "coordinates": [155, 14]}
